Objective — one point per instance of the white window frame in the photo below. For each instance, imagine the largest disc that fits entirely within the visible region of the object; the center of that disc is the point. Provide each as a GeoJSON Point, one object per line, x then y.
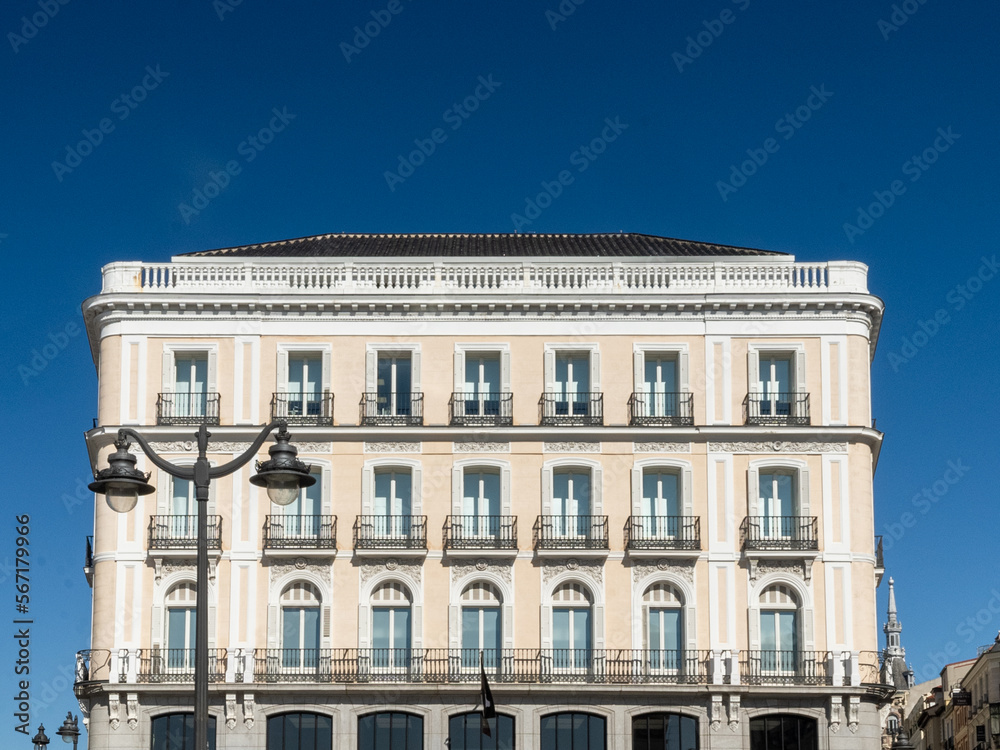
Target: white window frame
{"type": "Point", "coordinates": [365, 619]}
{"type": "Point", "coordinates": [805, 609]}
{"type": "Point", "coordinates": [389, 349]}
{"type": "Point", "coordinates": [596, 608]}
{"type": "Point", "coordinates": [685, 489]}
{"type": "Point", "coordinates": [325, 353]}
{"type": "Point", "coordinates": [551, 350]}
{"type": "Point", "coordinates": [161, 587]}
{"type": "Point", "coordinates": [800, 471]}
{"type": "Point", "coordinates": [796, 353]}
{"type": "Point", "coordinates": [172, 350]}
{"type": "Point", "coordinates": [368, 482]}
{"type": "Point", "coordinates": [278, 586]}
{"type": "Point", "coordinates": [506, 591]}
{"type": "Point", "coordinates": [501, 350]}
{"type": "Point", "coordinates": [689, 609]}
{"type": "Point", "coordinates": [679, 351]}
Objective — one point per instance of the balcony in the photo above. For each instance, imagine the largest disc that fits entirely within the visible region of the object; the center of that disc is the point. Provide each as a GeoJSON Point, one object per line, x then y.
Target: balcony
{"type": "Point", "coordinates": [392, 409]}
{"type": "Point", "coordinates": [298, 534]}
{"type": "Point", "coordinates": [181, 533]}
{"type": "Point", "coordinates": [661, 409]}
{"type": "Point", "coordinates": [187, 409]}
{"type": "Point", "coordinates": [879, 560]}
{"type": "Point", "coordinates": [780, 533]}
{"type": "Point", "coordinates": [653, 535]}
{"type": "Point", "coordinates": [473, 534]}
{"type": "Point", "coordinates": [311, 409]}
{"type": "Point", "coordinates": [577, 533]}
{"type": "Point", "coordinates": [481, 410]}
{"type": "Point", "coordinates": [396, 534]}
{"type": "Point", "coordinates": [786, 667]}
{"type": "Point", "coordinates": [571, 410]}
{"type": "Point", "coordinates": [177, 665]}
{"type": "Point", "coordinates": [776, 409]}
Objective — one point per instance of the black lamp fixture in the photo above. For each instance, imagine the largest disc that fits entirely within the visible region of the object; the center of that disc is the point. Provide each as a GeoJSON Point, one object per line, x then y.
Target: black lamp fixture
{"type": "Point", "coordinates": [70, 730]}
{"type": "Point", "coordinates": [40, 740]}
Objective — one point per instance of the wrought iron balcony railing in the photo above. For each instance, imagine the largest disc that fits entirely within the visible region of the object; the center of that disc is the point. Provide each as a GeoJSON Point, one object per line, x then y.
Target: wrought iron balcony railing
{"type": "Point", "coordinates": [91, 664]}
{"type": "Point", "coordinates": [181, 532]}
{"type": "Point", "coordinates": [879, 554]}
{"type": "Point", "coordinates": [390, 532]}
{"type": "Point", "coordinates": [661, 409]}
{"type": "Point", "coordinates": [776, 409]}
{"type": "Point", "coordinates": [481, 409]}
{"type": "Point", "coordinates": [780, 533]}
{"type": "Point", "coordinates": [785, 667]}
{"type": "Point", "coordinates": [663, 533]}
{"type": "Point", "coordinates": [314, 409]}
{"type": "Point", "coordinates": [187, 408]}
{"type": "Point", "coordinates": [480, 532]}
{"type": "Point", "coordinates": [392, 409]}
{"type": "Point", "coordinates": [177, 665]}
{"type": "Point", "coordinates": [573, 409]}
{"type": "Point", "coordinates": [300, 532]}
{"type": "Point", "coordinates": [571, 532]}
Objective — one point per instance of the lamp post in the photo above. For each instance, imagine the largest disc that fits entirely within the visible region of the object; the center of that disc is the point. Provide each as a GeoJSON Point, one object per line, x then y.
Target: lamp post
{"type": "Point", "coordinates": [121, 484]}
{"type": "Point", "coordinates": [40, 740]}
{"type": "Point", "coordinates": [69, 731]}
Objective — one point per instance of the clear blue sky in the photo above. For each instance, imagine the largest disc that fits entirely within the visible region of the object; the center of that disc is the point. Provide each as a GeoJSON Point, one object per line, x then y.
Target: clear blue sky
{"type": "Point", "coordinates": [688, 112]}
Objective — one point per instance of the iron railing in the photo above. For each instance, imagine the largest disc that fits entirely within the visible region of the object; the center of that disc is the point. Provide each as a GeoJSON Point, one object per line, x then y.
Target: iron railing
{"type": "Point", "coordinates": [392, 409]}
{"type": "Point", "coordinates": [390, 532]}
{"type": "Point", "coordinates": [776, 409]}
{"type": "Point", "coordinates": [480, 532]}
{"type": "Point", "coordinates": [869, 668]}
{"type": "Point", "coordinates": [481, 409]}
{"type": "Point", "coordinates": [314, 409]}
{"type": "Point", "coordinates": [89, 662]}
{"type": "Point", "coordinates": [779, 533]}
{"type": "Point", "coordinates": [879, 555]}
{"type": "Point", "coordinates": [572, 409]}
{"type": "Point", "coordinates": [300, 532]}
{"type": "Point", "coordinates": [187, 408]}
{"type": "Point", "coordinates": [181, 532]}
{"type": "Point", "coordinates": [785, 667]}
{"type": "Point", "coordinates": [661, 409]}
{"type": "Point", "coordinates": [663, 532]}
{"type": "Point", "coordinates": [177, 665]}
{"type": "Point", "coordinates": [571, 532]}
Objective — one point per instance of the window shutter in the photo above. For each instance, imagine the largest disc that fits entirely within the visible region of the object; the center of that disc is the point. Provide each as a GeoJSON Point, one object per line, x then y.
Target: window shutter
{"type": "Point", "coordinates": [636, 491]}
{"type": "Point", "coordinates": [417, 500]}
{"type": "Point", "coordinates": [638, 376]}
{"type": "Point", "coordinates": [371, 371]}
{"type": "Point", "coordinates": [327, 370]}
{"type": "Point", "coordinates": [326, 492]}
{"type": "Point", "coordinates": [272, 626]}
{"type": "Point", "coordinates": [457, 489]}
{"type": "Point", "coordinates": [753, 492]}
{"type": "Point", "coordinates": [454, 627]}
{"type": "Point", "coordinates": [687, 490]}
{"type": "Point", "coordinates": [596, 491]}
{"type": "Point", "coordinates": [644, 617]}
{"type": "Point", "coordinates": [367, 484]}
{"type": "Point", "coordinates": [363, 632]}
{"type": "Point", "coordinates": [415, 371]}
{"type": "Point", "coordinates": [459, 370]}
{"type": "Point", "coordinates": [211, 500]}
{"type": "Point", "coordinates": [807, 628]}
{"type": "Point", "coordinates": [168, 376]}
{"type": "Point", "coordinates": [547, 491]}
{"type": "Point", "coordinates": [598, 626]}
{"type": "Point", "coordinates": [505, 479]}
{"type": "Point", "coordinates": [508, 625]}
{"type": "Point", "coordinates": [163, 497]}
{"type": "Point", "coordinates": [417, 611]}
{"type": "Point", "coordinates": [595, 371]}
{"type": "Point", "coordinates": [282, 374]}
{"type": "Point", "coordinates": [211, 626]}
{"type": "Point", "coordinates": [505, 370]}
{"type": "Point", "coordinates": [690, 628]}
{"type": "Point", "coordinates": [800, 371]}
{"type": "Point", "coordinates": [803, 486]}
{"type": "Point", "coordinates": [156, 638]}
{"type": "Point", "coordinates": [753, 372]}
{"type": "Point", "coordinates": [213, 371]}
{"type": "Point", "coordinates": [549, 363]}
{"type": "Point", "coordinates": [326, 627]}
{"type": "Point", "coordinates": [546, 626]}
{"type": "Point", "coordinates": [754, 629]}
{"type": "Point", "coordinates": [683, 370]}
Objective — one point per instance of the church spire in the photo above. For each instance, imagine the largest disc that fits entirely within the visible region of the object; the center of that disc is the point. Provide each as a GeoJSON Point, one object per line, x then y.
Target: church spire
{"type": "Point", "coordinates": [894, 669]}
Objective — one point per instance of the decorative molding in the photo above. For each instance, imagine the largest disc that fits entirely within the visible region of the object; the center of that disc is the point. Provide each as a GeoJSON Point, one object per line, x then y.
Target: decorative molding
{"type": "Point", "coordinates": [84, 711]}
{"type": "Point", "coordinates": [572, 447]}
{"type": "Point", "coordinates": [223, 446]}
{"type": "Point", "coordinates": [398, 446]}
{"type": "Point", "coordinates": [132, 710]}
{"type": "Point", "coordinates": [480, 447]}
{"type": "Point", "coordinates": [642, 568]}
{"type": "Point", "coordinates": [800, 568]}
{"type": "Point", "coordinates": [413, 570]}
{"type": "Point", "coordinates": [231, 711]}
{"type": "Point", "coordinates": [248, 710]}
{"type": "Point", "coordinates": [313, 447]}
{"type": "Point", "coordinates": [552, 567]}
{"type": "Point", "coordinates": [282, 569]}
{"type": "Point", "coordinates": [114, 708]}
{"type": "Point", "coordinates": [853, 708]}
{"type": "Point", "coordinates": [500, 568]}
{"type": "Point", "coordinates": [734, 712]}
{"type": "Point", "coordinates": [661, 447]}
{"type": "Point", "coordinates": [836, 710]}
{"type": "Point", "coordinates": [777, 446]}
{"type": "Point", "coordinates": [716, 713]}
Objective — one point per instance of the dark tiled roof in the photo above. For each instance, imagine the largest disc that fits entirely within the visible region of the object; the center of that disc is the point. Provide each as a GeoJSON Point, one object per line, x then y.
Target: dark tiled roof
{"type": "Point", "coordinates": [482, 246]}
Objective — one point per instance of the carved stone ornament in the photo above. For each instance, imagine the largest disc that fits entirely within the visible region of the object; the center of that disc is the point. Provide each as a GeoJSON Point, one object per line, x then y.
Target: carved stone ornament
{"type": "Point", "coordinates": [248, 710]}
{"type": "Point", "coordinates": [661, 447]}
{"type": "Point", "coordinates": [500, 568]}
{"type": "Point", "coordinates": [836, 709]}
{"type": "Point", "coordinates": [801, 568]}
{"type": "Point", "coordinates": [679, 568]}
{"type": "Point", "coordinates": [480, 447]}
{"type": "Point", "coordinates": [84, 711]}
{"type": "Point", "coordinates": [734, 712]}
{"type": "Point", "coordinates": [392, 447]}
{"type": "Point", "coordinates": [132, 710]}
{"type": "Point", "coordinates": [716, 713]}
{"type": "Point", "coordinates": [391, 564]}
{"type": "Point", "coordinates": [114, 708]}
{"type": "Point", "coordinates": [223, 446]}
{"type": "Point", "coordinates": [777, 446]}
{"type": "Point", "coordinates": [283, 569]}
{"type": "Point", "coordinates": [413, 570]}
{"type": "Point", "coordinates": [231, 711]}
{"type": "Point", "coordinates": [593, 569]}
{"type": "Point", "coordinates": [300, 563]}
{"type": "Point", "coordinates": [853, 707]}
{"type": "Point", "coordinates": [572, 447]}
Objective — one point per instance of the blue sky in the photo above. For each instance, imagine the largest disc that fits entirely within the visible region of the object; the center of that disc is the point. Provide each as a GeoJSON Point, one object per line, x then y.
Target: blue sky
{"type": "Point", "coordinates": [835, 101]}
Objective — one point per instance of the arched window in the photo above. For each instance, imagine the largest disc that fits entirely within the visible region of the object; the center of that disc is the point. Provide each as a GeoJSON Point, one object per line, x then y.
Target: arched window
{"type": "Point", "coordinates": [299, 731]}
{"type": "Point", "coordinates": [300, 627]}
{"type": "Point", "coordinates": [779, 629]}
{"type": "Point", "coordinates": [664, 731]}
{"type": "Point", "coordinates": [390, 730]}
{"type": "Point", "coordinates": [573, 731]}
{"type": "Point", "coordinates": [663, 626]}
{"type": "Point", "coordinates": [571, 506]}
{"type": "Point", "coordinates": [391, 626]}
{"type": "Point", "coordinates": [783, 732]}
{"type": "Point", "coordinates": [481, 625]}
{"type": "Point", "coordinates": [892, 724]}
{"type": "Point", "coordinates": [180, 626]}
{"type": "Point", "coordinates": [572, 627]}
{"type": "Point", "coordinates": [465, 732]}
{"type": "Point", "coordinates": [176, 732]}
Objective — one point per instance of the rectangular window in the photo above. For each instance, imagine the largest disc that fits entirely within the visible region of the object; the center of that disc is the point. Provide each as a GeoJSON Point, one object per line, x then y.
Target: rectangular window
{"type": "Point", "coordinates": [305, 385]}
{"type": "Point", "coordinates": [394, 386]}
{"type": "Point", "coordinates": [190, 385]}
{"type": "Point", "coordinates": [778, 640]}
{"type": "Point", "coordinates": [391, 637]}
{"type": "Point", "coordinates": [659, 385]}
{"type": "Point", "coordinates": [300, 637]}
{"type": "Point", "coordinates": [183, 509]}
{"type": "Point", "coordinates": [393, 503]}
{"type": "Point", "coordinates": [777, 499]}
{"type": "Point", "coordinates": [572, 384]}
{"type": "Point", "coordinates": [775, 385]}
{"type": "Point", "coordinates": [180, 638]}
{"type": "Point", "coordinates": [571, 638]}
{"type": "Point", "coordinates": [302, 515]}
{"type": "Point", "coordinates": [571, 503]}
{"type": "Point", "coordinates": [665, 638]}
{"type": "Point", "coordinates": [480, 631]}
{"type": "Point", "coordinates": [660, 509]}
{"type": "Point", "coordinates": [482, 387]}
{"type": "Point", "coordinates": [481, 504]}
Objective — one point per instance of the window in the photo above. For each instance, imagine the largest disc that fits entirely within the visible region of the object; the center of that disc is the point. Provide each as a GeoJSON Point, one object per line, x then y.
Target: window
{"type": "Point", "coordinates": [481, 503]}
{"type": "Point", "coordinates": [391, 627]}
{"type": "Point", "coordinates": [572, 384]}
{"type": "Point", "coordinates": [777, 503]}
{"type": "Point", "coordinates": [571, 502]}
{"type": "Point", "coordinates": [180, 603]}
{"type": "Point", "coordinates": [394, 385]}
{"type": "Point", "coordinates": [664, 732]}
{"type": "Point", "coordinates": [176, 732]}
{"type": "Point", "coordinates": [465, 733]}
{"type": "Point", "coordinates": [778, 630]}
{"type": "Point", "coordinates": [774, 384]}
{"type": "Point", "coordinates": [305, 385]}
{"type": "Point", "coordinates": [300, 627]}
{"type": "Point", "coordinates": [390, 730]}
{"type": "Point", "coordinates": [660, 385]}
{"type": "Point", "coordinates": [783, 732]}
{"type": "Point", "coordinates": [482, 387]}
{"type": "Point", "coordinates": [183, 509]}
{"type": "Point", "coordinates": [190, 385]}
{"type": "Point", "coordinates": [571, 627]}
{"type": "Point", "coordinates": [299, 731]}
{"type": "Point", "coordinates": [663, 626]}
{"type": "Point", "coordinates": [302, 517]}
{"type": "Point", "coordinates": [392, 508]}
{"type": "Point", "coordinates": [481, 626]}
{"type": "Point", "coordinates": [573, 731]}
{"type": "Point", "coordinates": [660, 506]}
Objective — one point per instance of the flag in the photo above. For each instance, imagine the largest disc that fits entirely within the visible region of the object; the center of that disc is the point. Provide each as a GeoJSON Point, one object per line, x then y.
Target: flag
{"type": "Point", "coordinates": [486, 698]}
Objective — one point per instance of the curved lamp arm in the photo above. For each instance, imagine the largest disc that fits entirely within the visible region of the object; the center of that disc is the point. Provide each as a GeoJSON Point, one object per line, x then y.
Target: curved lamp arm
{"type": "Point", "coordinates": [228, 468]}
{"type": "Point", "coordinates": [181, 472]}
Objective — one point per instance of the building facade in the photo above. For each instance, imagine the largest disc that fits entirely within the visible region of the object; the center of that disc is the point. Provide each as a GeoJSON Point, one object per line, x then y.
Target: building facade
{"type": "Point", "coordinates": [633, 473]}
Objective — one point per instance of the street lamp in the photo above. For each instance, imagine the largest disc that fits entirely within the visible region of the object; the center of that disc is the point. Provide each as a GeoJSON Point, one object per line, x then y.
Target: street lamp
{"type": "Point", "coordinates": [121, 484]}
{"type": "Point", "coordinates": [40, 740]}
{"type": "Point", "coordinates": [69, 731]}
